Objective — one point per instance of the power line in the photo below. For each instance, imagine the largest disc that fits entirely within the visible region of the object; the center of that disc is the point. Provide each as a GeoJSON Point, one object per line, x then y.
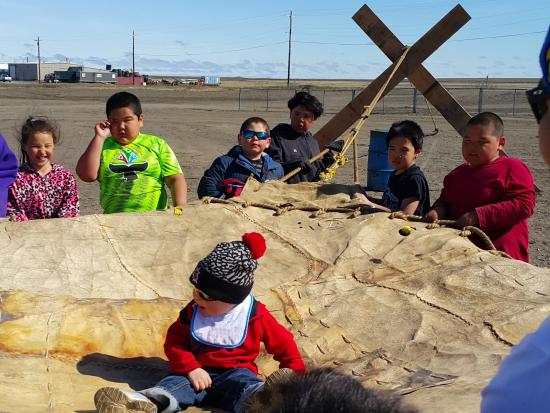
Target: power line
{"type": "Point", "coordinates": [452, 40]}
{"type": "Point", "coordinates": [497, 37]}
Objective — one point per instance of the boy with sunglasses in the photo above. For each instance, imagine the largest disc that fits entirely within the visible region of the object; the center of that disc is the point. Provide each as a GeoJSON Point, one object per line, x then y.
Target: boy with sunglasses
{"type": "Point", "coordinates": [213, 345]}
{"type": "Point", "coordinates": [227, 175]}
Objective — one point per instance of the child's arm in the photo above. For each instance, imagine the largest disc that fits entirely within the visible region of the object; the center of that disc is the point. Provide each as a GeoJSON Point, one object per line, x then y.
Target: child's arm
{"type": "Point", "coordinates": [365, 200]}
{"type": "Point", "coordinates": [87, 167]}
{"type": "Point", "coordinates": [182, 361]}
{"type": "Point", "coordinates": [209, 184]}
{"type": "Point", "coordinates": [409, 205]}
{"type": "Point", "coordinates": [518, 201]}
{"type": "Point", "coordinates": [438, 211]}
{"type": "Point", "coordinates": [280, 342]}
{"type": "Point", "coordinates": [16, 212]}
{"type": "Point", "coordinates": [178, 188]}
{"type": "Point", "coordinates": [439, 208]}
{"type": "Point", "coordinates": [176, 348]}
{"type": "Point", "coordinates": [70, 207]}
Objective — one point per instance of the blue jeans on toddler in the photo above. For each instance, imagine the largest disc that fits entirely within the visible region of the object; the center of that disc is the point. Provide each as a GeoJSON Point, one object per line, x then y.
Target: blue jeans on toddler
{"type": "Point", "coordinates": [230, 388]}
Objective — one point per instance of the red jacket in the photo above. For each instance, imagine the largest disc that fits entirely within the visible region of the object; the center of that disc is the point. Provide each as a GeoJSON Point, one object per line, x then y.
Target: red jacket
{"type": "Point", "coordinates": [186, 354]}
{"type": "Point", "coordinates": [502, 194]}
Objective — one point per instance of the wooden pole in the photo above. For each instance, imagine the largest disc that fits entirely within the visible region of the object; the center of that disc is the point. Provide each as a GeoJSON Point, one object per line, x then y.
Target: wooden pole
{"type": "Point", "coordinates": [355, 161]}
{"type": "Point", "coordinates": [296, 170]}
{"type": "Point", "coordinates": [133, 58]}
{"type": "Point", "coordinates": [426, 84]}
{"type": "Point", "coordinates": [289, 47]}
{"type": "Point", "coordinates": [391, 46]}
{"type": "Point", "coordinates": [39, 64]}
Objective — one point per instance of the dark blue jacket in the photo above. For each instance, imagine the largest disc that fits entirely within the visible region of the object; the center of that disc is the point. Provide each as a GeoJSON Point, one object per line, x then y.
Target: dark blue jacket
{"type": "Point", "coordinates": [237, 166]}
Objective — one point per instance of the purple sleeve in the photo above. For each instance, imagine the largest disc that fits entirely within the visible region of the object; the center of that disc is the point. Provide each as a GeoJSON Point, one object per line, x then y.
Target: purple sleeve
{"type": "Point", "coordinates": [8, 172]}
{"type": "Point", "coordinates": [545, 60]}
{"type": "Point", "coordinates": [521, 384]}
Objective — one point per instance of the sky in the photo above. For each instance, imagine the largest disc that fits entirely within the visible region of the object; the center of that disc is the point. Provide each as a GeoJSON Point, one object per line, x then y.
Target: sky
{"type": "Point", "coordinates": [250, 38]}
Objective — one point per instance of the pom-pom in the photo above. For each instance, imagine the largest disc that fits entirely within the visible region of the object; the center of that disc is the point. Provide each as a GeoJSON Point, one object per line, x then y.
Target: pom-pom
{"type": "Point", "coordinates": [255, 243]}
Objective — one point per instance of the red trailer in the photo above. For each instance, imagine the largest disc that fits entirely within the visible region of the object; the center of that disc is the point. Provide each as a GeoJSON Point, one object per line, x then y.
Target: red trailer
{"type": "Point", "coordinates": [129, 81]}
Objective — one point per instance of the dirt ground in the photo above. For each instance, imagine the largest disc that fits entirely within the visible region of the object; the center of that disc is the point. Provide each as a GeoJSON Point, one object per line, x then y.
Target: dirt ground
{"type": "Point", "coordinates": [200, 127]}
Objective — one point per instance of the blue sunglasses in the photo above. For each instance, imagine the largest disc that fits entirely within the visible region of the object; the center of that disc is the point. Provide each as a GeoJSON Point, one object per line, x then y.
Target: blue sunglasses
{"type": "Point", "coordinates": [249, 134]}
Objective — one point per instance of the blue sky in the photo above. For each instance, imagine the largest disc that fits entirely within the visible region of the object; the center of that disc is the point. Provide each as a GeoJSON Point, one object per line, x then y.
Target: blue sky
{"type": "Point", "coordinates": [250, 38]}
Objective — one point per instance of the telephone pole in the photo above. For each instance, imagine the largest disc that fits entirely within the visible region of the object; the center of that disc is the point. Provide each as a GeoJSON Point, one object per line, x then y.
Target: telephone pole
{"type": "Point", "coordinates": [38, 45]}
{"type": "Point", "coordinates": [289, 47]}
{"type": "Point", "coordinates": [133, 58]}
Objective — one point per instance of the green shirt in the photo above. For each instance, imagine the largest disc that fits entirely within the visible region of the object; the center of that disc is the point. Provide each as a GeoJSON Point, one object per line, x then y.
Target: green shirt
{"type": "Point", "coordinates": [131, 177]}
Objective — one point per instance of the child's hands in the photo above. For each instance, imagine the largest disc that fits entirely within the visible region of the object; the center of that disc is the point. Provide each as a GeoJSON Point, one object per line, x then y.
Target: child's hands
{"type": "Point", "coordinates": [200, 379]}
{"type": "Point", "coordinates": [102, 129]}
{"type": "Point", "coordinates": [434, 214]}
{"type": "Point", "coordinates": [467, 219]}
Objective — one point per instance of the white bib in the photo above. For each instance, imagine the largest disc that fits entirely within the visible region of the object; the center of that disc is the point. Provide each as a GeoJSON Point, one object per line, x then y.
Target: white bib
{"type": "Point", "coordinates": [226, 331]}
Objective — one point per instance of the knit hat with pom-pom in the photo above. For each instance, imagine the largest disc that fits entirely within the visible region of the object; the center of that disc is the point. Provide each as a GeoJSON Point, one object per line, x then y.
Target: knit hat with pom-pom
{"type": "Point", "coordinates": [227, 273]}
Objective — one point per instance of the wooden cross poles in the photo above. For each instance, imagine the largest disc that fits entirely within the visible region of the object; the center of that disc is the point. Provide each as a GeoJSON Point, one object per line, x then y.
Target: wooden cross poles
{"type": "Point", "coordinates": [411, 67]}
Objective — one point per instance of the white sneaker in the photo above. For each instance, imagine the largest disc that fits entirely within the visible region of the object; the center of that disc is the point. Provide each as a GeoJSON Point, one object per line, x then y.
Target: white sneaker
{"type": "Point", "coordinates": [114, 400]}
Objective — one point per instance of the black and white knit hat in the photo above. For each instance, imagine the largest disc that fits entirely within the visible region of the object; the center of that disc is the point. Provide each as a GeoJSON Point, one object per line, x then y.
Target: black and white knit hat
{"type": "Point", "coordinates": [227, 273]}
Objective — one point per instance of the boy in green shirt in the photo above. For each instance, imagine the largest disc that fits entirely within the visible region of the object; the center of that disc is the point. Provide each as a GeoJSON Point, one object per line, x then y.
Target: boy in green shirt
{"type": "Point", "coordinates": [131, 167]}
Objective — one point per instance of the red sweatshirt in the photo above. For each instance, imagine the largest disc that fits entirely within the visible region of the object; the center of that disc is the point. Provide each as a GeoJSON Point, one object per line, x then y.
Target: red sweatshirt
{"type": "Point", "coordinates": [186, 354]}
{"type": "Point", "coordinates": [502, 194]}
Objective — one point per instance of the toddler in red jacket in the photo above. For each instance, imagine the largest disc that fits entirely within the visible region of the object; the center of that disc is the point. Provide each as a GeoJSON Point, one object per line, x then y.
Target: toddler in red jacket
{"type": "Point", "coordinates": [490, 191]}
{"type": "Point", "coordinates": [215, 341]}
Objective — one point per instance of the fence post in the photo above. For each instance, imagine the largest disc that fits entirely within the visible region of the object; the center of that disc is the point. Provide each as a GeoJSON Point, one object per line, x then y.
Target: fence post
{"type": "Point", "coordinates": [480, 101]}
{"type": "Point", "coordinates": [415, 92]}
{"type": "Point", "coordinates": [324, 91]}
{"type": "Point", "coordinates": [514, 104]}
{"type": "Point", "coordinates": [352, 94]}
{"type": "Point", "coordinates": [240, 98]}
{"type": "Point", "coordinates": [267, 100]}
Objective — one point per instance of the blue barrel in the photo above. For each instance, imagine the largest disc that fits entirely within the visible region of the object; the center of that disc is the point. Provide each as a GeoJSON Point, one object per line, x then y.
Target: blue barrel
{"type": "Point", "coordinates": [378, 169]}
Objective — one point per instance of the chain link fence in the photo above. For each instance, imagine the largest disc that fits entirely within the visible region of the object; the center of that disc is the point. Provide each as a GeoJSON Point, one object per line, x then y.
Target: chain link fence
{"type": "Point", "coordinates": [505, 102]}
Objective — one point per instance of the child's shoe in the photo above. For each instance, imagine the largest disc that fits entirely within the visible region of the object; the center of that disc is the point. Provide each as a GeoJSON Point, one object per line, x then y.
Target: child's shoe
{"type": "Point", "coordinates": [114, 400]}
{"type": "Point", "coordinates": [263, 398]}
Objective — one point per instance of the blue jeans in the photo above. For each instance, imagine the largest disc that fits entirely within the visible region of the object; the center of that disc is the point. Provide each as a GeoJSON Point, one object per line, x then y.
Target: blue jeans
{"type": "Point", "coordinates": [230, 388]}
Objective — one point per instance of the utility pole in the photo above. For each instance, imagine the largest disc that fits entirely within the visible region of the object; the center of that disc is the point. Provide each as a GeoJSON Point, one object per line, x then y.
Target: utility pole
{"type": "Point", "coordinates": [289, 47]}
{"type": "Point", "coordinates": [133, 58]}
{"type": "Point", "coordinates": [38, 45]}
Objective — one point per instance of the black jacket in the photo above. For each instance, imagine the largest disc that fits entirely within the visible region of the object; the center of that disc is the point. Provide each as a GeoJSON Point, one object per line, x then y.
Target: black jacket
{"type": "Point", "coordinates": [289, 148]}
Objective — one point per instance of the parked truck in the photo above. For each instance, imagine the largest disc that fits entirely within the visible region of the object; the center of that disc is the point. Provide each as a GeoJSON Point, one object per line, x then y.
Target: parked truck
{"type": "Point", "coordinates": [5, 77]}
{"type": "Point", "coordinates": [209, 80]}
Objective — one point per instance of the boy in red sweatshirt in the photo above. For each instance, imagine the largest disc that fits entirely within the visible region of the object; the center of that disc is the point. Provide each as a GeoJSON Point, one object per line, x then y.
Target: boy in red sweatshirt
{"type": "Point", "coordinates": [215, 341]}
{"type": "Point", "coordinates": [492, 192]}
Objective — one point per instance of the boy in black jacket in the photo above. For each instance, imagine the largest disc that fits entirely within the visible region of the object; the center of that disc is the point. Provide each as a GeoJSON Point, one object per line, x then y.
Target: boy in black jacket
{"type": "Point", "coordinates": [293, 144]}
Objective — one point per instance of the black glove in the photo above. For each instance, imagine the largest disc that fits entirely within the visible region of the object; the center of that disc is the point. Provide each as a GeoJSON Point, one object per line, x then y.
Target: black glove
{"type": "Point", "coordinates": [304, 165]}
{"type": "Point", "coordinates": [325, 162]}
{"type": "Point", "coordinates": [336, 146]}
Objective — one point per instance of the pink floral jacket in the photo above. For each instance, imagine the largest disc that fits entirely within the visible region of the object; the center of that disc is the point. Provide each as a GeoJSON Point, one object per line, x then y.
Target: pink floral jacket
{"type": "Point", "coordinates": [32, 196]}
